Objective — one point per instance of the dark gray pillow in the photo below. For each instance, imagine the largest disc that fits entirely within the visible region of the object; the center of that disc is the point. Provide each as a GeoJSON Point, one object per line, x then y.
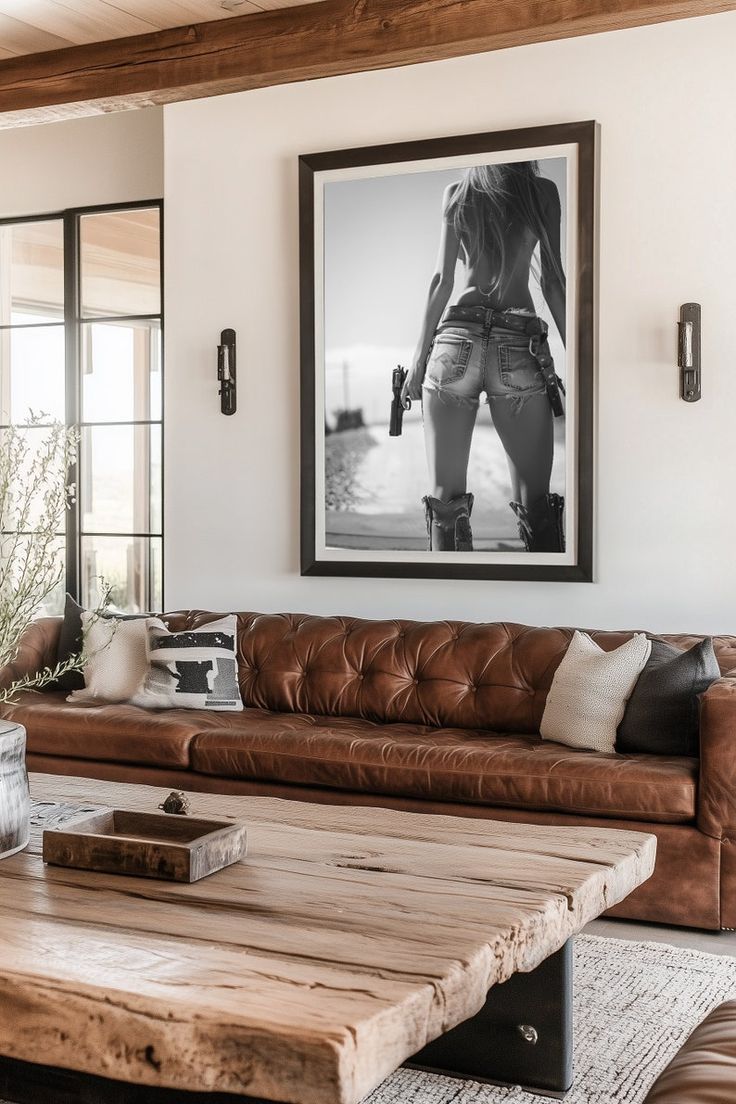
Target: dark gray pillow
{"type": "Point", "coordinates": [70, 643]}
{"type": "Point", "coordinates": [661, 717]}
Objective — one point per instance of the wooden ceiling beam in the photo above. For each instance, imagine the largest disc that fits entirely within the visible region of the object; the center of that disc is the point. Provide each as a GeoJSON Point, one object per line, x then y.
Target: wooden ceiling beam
{"type": "Point", "coordinates": [300, 43]}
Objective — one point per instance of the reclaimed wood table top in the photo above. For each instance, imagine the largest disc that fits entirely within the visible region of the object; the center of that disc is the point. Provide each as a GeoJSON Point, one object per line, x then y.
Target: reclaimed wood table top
{"type": "Point", "coordinates": [346, 940]}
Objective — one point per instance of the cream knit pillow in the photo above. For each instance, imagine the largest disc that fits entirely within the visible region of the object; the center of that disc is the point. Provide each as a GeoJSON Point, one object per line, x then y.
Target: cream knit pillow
{"type": "Point", "coordinates": [117, 664]}
{"type": "Point", "coordinates": [589, 692]}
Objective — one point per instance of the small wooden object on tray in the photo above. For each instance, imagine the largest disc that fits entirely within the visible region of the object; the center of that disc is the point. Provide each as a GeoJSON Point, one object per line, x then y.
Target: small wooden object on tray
{"type": "Point", "coordinates": [148, 845]}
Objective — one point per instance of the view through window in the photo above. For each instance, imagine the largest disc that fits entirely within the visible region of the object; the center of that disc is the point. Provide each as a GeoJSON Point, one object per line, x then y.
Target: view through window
{"type": "Point", "coordinates": [81, 342]}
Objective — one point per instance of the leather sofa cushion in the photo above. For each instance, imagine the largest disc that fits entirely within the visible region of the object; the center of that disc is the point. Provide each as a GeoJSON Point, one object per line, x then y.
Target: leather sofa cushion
{"type": "Point", "coordinates": [704, 1069]}
{"type": "Point", "coordinates": [445, 765]}
{"type": "Point", "coordinates": [348, 753]}
{"type": "Point", "coordinates": [119, 733]}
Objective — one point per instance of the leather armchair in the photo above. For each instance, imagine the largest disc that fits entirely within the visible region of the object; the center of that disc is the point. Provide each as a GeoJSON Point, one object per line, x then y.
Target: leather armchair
{"type": "Point", "coordinates": [704, 1069]}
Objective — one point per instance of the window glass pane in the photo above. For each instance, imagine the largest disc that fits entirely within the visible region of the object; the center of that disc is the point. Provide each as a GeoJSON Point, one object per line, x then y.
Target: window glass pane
{"type": "Point", "coordinates": [17, 551]}
{"type": "Point", "coordinates": [26, 455]}
{"type": "Point", "coordinates": [32, 374]}
{"type": "Point", "coordinates": [32, 272]}
{"type": "Point", "coordinates": [157, 480]}
{"type": "Point", "coordinates": [121, 479]}
{"type": "Point", "coordinates": [130, 565]}
{"type": "Point", "coordinates": [121, 371]}
{"type": "Point", "coordinates": [156, 598]}
{"type": "Point", "coordinates": [119, 253]}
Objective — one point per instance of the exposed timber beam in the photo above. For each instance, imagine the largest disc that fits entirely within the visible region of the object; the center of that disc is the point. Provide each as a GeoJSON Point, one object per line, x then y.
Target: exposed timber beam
{"type": "Point", "coordinates": [300, 43]}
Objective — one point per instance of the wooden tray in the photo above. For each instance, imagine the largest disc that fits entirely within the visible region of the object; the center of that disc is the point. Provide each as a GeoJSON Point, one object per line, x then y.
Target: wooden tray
{"type": "Point", "coordinates": [148, 845]}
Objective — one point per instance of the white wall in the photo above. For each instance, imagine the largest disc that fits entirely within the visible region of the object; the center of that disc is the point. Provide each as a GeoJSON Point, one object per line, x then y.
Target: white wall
{"type": "Point", "coordinates": [101, 159]}
{"type": "Point", "coordinates": [666, 530]}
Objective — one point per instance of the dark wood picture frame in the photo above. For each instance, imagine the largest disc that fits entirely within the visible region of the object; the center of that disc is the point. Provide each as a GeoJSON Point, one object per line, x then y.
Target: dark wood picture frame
{"type": "Point", "coordinates": [586, 137]}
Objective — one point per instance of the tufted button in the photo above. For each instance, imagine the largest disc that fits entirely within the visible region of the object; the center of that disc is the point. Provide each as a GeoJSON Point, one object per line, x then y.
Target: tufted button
{"type": "Point", "coordinates": [360, 677]}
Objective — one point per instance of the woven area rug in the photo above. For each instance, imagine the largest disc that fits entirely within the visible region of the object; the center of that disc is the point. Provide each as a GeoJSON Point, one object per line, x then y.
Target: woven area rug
{"type": "Point", "coordinates": [635, 1004]}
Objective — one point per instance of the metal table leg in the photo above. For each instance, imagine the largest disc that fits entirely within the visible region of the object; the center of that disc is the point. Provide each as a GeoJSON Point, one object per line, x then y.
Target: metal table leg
{"type": "Point", "coordinates": [521, 1036]}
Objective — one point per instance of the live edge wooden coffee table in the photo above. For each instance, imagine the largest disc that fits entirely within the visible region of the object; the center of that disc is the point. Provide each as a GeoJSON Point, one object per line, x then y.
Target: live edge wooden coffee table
{"type": "Point", "coordinates": [348, 942]}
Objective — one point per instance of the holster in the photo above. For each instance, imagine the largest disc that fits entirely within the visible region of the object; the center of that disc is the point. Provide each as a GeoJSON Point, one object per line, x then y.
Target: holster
{"type": "Point", "coordinates": [539, 348]}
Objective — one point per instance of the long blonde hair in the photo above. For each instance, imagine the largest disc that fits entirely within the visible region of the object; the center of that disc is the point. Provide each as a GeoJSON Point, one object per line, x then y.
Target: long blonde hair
{"type": "Point", "coordinates": [487, 200]}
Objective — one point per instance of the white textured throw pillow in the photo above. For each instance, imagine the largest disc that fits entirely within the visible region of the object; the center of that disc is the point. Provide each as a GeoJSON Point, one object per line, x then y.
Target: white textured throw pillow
{"type": "Point", "coordinates": [589, 692]}
{"type": "Point", "coordinates": [192, 669]}
{"type": "Point", "coordinates": [117, 665]}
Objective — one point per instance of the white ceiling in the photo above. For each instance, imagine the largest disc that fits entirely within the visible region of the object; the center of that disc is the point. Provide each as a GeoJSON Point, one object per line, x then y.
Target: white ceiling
{"type": "Point", "coordinates": [29, 26]}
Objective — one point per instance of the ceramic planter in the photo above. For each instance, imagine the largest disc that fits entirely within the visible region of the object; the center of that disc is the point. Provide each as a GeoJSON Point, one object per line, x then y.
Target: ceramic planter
{"type": "Point", "coordinates": [15, 800]}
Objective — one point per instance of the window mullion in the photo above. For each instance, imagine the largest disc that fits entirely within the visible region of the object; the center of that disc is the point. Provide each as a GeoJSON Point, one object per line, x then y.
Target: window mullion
{"type": "Point", "coordinates": [73, 391]}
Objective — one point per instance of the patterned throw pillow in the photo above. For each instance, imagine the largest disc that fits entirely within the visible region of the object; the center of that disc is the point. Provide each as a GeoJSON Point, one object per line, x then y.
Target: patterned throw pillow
{"type": "Point", "coordinates": [192, 669]}
{"type": "Point", "coordinates": [589, 692]}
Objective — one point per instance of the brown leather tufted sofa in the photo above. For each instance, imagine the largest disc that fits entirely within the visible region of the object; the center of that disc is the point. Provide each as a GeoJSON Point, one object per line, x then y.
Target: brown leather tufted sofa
{"type": "Point", "coordinates": [432, 717]}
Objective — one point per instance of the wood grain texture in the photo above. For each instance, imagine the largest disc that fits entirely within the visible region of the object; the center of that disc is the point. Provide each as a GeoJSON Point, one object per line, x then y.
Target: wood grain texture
{"type": "Point", "coordinates": [301, 43]}
{"type": "Point", "coordinates": [347, 940]}
{"type": "Point", "coordinates": [19, 37]}
{"type": "Point", "coordinates": [74, 22]}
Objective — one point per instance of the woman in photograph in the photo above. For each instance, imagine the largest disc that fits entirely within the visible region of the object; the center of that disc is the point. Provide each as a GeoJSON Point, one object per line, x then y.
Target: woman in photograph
{"type": "Point", "coordinates": [491, 340]}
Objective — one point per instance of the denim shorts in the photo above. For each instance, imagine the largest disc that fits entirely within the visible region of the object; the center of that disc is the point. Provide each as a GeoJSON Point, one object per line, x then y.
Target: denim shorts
{"type": "Point", "coordinates": [468, 358]}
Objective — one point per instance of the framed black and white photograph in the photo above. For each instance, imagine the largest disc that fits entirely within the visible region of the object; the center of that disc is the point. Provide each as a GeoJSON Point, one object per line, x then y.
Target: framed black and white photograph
{"type": "Point", "coordinates": [448, 356]}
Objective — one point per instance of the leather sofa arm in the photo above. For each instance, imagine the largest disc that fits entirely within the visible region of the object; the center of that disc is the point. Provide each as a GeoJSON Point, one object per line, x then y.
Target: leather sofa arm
{"type": "Point", "coordinates": [717, 790]}
{"type": "Point", "coordinates": [38, 645]}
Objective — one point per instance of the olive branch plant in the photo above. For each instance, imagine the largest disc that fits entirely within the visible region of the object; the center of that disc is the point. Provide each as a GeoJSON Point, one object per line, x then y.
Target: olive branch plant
{"type": "Point", "coordinates": [35, 494]}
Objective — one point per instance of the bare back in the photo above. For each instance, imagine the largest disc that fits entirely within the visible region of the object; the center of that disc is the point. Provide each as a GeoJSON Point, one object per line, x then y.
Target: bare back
{"type": "Point", "coordinates": [503, 282]}
{"type": "Point", "coordinates": [510, 283]}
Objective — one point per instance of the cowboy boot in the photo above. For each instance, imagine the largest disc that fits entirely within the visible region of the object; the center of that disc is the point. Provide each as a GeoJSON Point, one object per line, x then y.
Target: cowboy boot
{"type": "Point", "coordinates": [448, 523]}
{"type": "Point", "coordinates": [540, 525]}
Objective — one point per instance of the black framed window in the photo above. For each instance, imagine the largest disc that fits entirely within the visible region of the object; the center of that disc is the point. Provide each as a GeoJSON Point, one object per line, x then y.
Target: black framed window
{"type": "Point", "coordinates": [81, 340]}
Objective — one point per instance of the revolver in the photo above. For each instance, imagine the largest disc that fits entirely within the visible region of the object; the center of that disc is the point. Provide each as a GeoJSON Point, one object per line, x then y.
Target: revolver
{"type": "Point", "coordinates": [398, 379]}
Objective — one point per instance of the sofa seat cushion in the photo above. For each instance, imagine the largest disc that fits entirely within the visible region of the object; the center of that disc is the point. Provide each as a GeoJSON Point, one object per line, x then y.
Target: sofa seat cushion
{"type": "Point", "coordinates": [116, 733]}
{"type": "Point", "coordinates": [444, 764]}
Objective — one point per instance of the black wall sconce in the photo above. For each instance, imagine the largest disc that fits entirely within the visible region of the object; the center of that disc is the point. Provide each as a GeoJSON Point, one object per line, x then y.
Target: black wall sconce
{"type": "Point", "coordinates": [689, 351]}
{"type": "Point", "coordinates": [226, 372]}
